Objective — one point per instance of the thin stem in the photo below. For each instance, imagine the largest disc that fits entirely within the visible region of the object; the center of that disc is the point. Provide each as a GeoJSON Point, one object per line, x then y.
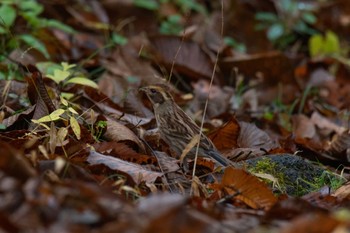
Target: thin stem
{"type": "Point", "coordinates": [206, 102]}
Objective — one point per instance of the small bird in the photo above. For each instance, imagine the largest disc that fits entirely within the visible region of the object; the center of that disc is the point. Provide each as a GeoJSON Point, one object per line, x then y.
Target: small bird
{"type": "Point", "coordinates": [176, 128]}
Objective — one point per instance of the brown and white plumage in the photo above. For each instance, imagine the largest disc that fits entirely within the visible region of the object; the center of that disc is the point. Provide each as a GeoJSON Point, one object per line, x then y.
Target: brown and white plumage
{"type": "Point", "coordinates": [176, 128]}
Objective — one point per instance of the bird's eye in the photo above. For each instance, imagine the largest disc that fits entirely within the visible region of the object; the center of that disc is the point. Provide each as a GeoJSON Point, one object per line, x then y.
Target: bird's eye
{"type": "Point", "coordinates": [153, 91]}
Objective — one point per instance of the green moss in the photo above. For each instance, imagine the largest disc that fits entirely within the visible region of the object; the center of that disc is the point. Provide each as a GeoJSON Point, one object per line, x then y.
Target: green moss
{"type": "Point", "coordinates": [293, 175]}
{"type": "Point", "coordinates": [265, 167]}
{"type": "Point", "coordinates": [327, 178]}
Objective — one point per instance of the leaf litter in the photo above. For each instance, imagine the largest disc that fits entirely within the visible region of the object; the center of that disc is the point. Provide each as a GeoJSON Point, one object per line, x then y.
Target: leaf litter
{"type": "Point", "coordinates": [81, 153]}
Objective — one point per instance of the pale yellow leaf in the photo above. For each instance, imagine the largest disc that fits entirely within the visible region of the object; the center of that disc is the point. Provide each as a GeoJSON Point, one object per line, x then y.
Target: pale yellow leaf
{"type": "Point", "coordinates": [72, 110]}
{"type": "Point", "coordinates": [64, 101]}
{"type": "Point", "coordinates": [83, 81]}
{"type": "Point", "coordinates": [75, 127]}
{"type": "Point", "coordinates": [55, 115]}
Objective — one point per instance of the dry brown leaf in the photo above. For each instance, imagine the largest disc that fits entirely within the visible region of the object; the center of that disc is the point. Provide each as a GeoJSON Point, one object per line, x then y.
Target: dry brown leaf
{"type": "Point", "coordinates": [325, 124]}
{"type": "Point", "coordinates": [187, 56]}
{"type": "Point", "coordinates": [118, 132]}
{"type": "Point", "coordinates": [125, 152]}
{"type": "Point", "coordinates": [169, 213]}
{"type": "Point", "coordinates": [225, 138]}
{"type": "Point", "coordinates": [166, 162]}
{"type": "Point", "coordinates": [137, 172]}
{"type": "Point", "coordinates": [340, 143]}
{"type": "Point", "coordinates": [219, 98]}
{"type": "Point", "coordinates": [253, 137]}
{"type": "Point", "coordinates": [339, 147]}
{"type": "Point", "coordinates": [343, 192]}
{"type": "Point", "coordinates": [289, 208]}
{"type": "Point", "coordinates": [311, 223]}
{"type": "Point", "coordinates": [247, 188]}
{"type": "Point", "coordinates": [261, 64]}
{"type": "Point", "coordinates": [303, 127]}
{"type": "Point", "coordinates": [14, 163]}
{"type": "Point", "coordinates": [11, 120]}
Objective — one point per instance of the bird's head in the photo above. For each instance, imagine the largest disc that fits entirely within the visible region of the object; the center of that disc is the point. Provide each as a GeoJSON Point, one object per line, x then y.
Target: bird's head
{"type": "Point", "coordinates": [157, 94]}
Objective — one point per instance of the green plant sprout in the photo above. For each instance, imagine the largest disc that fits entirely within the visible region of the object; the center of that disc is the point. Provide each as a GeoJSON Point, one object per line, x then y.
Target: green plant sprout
{"type": "Point", "coordinates": [64, 113]}
{"type": "Point", "coordinates": [65, 75]}
{"type": "Point", "coordinates": [267, 170]}
{"type": "Point", "coordinates": [29, 11]}
{"type": "Point", "coordinates": [240, 47]}
{"type": "Point", "coordinates": [171, 25]}
{"type": "Point", "coordinates": [333, 180]}
{"type": "Point", "coordinates": [100, 126]}
{"type": "Point", "coordinates": [292, 19]}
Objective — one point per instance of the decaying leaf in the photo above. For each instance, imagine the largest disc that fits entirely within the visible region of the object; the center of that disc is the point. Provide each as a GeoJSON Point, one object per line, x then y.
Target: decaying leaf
{"type": "Point", "coordinates": [339, 148]}
{"type": "Point", "coordinates": [118, 132]}
{"type": "Point", "coordinates": [303, 127]}
{"type": "Point", "coordinates": [14, 163]}
{"type": "Point", "coordinates": [244, 187]}
{"type": "Point", "coordinates": [226, 137]}
{"type": "Point", "coordinates": [252, 137]}
{"type": "Point", "coordinates": [137, 172]}
{"type": "Point", "coordinates": [187, 56]}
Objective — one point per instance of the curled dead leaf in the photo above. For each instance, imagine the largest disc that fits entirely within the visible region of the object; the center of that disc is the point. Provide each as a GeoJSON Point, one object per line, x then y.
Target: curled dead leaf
{"type": "Point", "coordinates": [137, 172]}
{"type": "Point", "coordinates": [252, 137]}
{"type": "Point", "coordinates": [226, 137]}
{"type": "Point", "coordinates": [118, 132]}
{"type": "Point", "coordinates": [247, 188]}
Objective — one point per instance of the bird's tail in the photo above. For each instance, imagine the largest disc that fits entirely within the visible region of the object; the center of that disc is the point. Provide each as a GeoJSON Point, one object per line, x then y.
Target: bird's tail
{"type": "Point", "coordinates": [220, 158]}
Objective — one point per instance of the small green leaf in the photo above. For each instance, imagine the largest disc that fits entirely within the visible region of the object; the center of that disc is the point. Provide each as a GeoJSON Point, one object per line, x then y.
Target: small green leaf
{"type": "Point", "coordinates": [119, 39]}
{"type": "Point", "coordinates": [327, 45]}
{"type": "Point", "coordinates": [316, 45]}
{"type": "Point", "coordinates": [31, 7]}
{"type": "Point", "coordinates": [59, 25]}
{"type": "Point", "coordinates": [7, 17]}
{"type": "Point", "coordinates": [302, 27]}
{"type": "Point", "coordinates": [54, 116]}
{"type": "Point", "coordinates": [266, 16]}
{"type": "Point", "coordinates": [59, 75]}
{"type": "Point", "coordinates": [309, 17]}
{"type": "Point", "coordinates": [67, 95]}
{"type": "Point", "coordinates": [275, 31]}
{"type": "Point", "coordinates": [72, 110]}
{"type": "Point", "coordinates": [35, 43]}
{"type": "Point", "coordinates": [332, 45]}
{"type": "Point", "coordinates": [83, 81]}
{"type": "Point", "coordinates": [64, 101]}
{"type": "Point", "coordinates": [101, 124]}
{"type": "Point", "coordinates": [147, 4]}
{"type": "Point", "coordinates": [75, 127]}
{"type": "Point", "coordinates": [66, 66]}
{"type": "Point", "coordinates": [47, 67]}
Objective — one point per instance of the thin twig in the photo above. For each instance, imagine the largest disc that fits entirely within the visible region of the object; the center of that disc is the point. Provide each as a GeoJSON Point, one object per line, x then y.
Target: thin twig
{"type": "Point", "coordinates": [206, 102]}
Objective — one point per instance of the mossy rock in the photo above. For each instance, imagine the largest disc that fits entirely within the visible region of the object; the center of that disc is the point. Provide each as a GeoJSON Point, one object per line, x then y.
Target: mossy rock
{"type": "Point", "coordinates": [296, 176]}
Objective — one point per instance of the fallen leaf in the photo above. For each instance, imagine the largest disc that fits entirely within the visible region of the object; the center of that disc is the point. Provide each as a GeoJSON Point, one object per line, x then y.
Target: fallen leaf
{"type": "Point", "coordinates": [118, 132]}
{"type": "Point", "coordinates": [137, 172]}
{"type": "Point", "coordinates": [247, 188]}
{"type": "Point", "coordinates": [226, 137]}
{"type": "Point", "coordinates": [303, 127]}
{"type": "Point", "coordinates": [252, 137]}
